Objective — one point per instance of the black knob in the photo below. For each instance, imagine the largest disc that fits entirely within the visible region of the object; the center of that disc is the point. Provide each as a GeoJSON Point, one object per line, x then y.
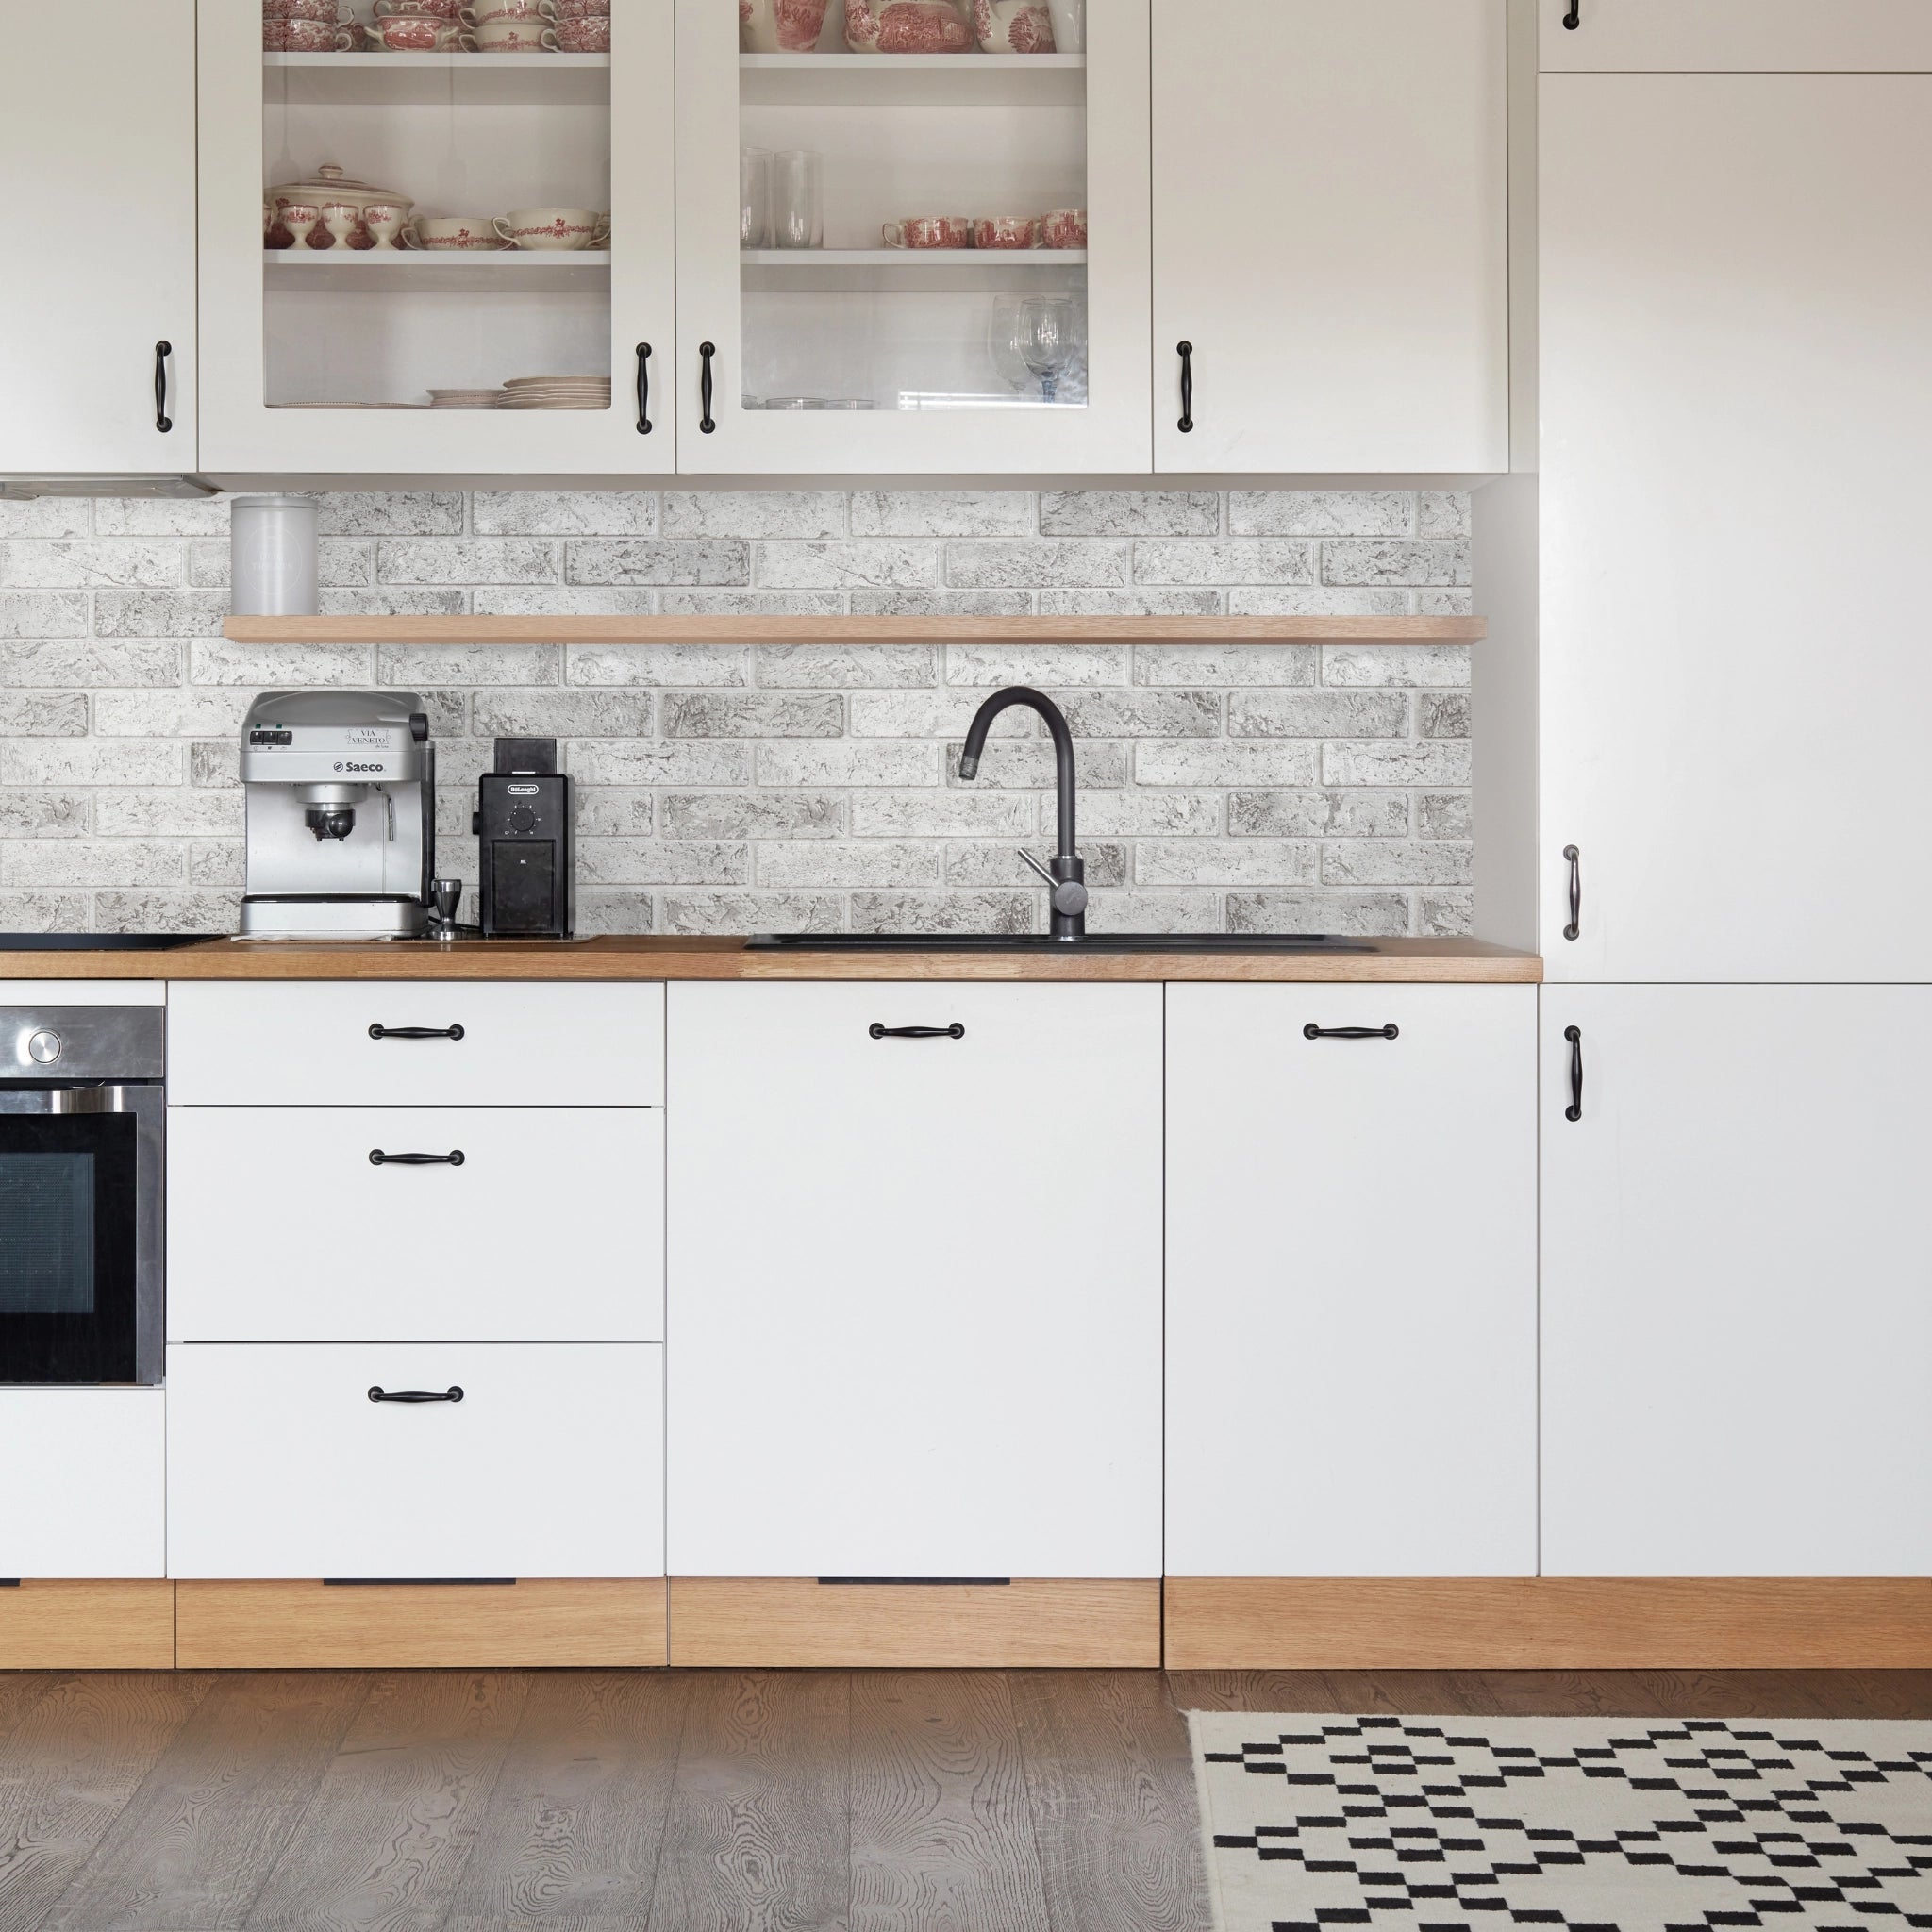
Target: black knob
{"type": "Point", "coordinates": [522, 818]}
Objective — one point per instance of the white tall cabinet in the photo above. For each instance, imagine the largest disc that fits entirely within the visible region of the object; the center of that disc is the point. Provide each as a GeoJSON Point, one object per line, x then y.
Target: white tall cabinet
{"type": "Point", "coordinates": [98, 150]}
{"type": "Point", "coordinates": [1737, 299]}
{"type": "Point", "coordinates": [1330, 235]}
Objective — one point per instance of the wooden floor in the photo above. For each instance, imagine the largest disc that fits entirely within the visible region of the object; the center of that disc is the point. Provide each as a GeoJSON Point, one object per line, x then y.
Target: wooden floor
{"type": "Point", "coordinates": [686, 1801]}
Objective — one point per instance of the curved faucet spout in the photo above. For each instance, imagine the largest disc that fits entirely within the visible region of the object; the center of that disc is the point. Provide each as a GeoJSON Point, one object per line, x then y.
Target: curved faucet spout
{"type": "Point", "coordinates": [1062, 747]}
{"type": "Point", "coordinates": [1068, 875]}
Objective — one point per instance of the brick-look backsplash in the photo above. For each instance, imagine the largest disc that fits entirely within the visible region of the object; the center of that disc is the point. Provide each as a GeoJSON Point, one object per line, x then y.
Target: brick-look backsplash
{"type": "Point", "coordinates": [1238, 787]}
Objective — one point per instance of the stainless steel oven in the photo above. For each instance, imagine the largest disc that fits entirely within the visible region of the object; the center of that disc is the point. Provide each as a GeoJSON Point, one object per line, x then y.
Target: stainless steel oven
{"type": "Point", "coordinates": [82, 1118]}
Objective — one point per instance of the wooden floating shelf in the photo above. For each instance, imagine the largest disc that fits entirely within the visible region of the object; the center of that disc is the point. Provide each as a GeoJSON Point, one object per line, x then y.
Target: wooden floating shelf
{"type": "Point", "coordinates": [855, 631]}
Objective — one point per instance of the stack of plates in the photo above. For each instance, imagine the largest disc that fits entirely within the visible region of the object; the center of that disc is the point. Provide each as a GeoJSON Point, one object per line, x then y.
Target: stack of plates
{"type": "Point", "coordinates": [465, 398]}
{"type": "Point", "coordinates": [557, 392]}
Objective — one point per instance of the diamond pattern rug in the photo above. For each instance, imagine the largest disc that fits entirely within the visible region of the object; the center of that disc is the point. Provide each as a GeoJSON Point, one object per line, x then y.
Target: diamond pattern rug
{"type": "Point", "coordinates": [1646, 1825]}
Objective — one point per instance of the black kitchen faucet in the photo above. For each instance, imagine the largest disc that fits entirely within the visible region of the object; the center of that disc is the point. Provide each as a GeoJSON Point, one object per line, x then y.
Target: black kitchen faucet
{"type": "Point", "coordinates": [1067, 879]}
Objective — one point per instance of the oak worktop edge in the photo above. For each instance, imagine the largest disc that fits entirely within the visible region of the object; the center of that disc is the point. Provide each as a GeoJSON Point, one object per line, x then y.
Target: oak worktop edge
{"type": "Point", "coordinates": [1397, 961]}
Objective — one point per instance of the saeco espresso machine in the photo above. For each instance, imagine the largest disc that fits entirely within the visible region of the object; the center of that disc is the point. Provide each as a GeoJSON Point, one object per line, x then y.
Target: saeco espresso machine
{"type": "Point", "coordinates": [342, 815]}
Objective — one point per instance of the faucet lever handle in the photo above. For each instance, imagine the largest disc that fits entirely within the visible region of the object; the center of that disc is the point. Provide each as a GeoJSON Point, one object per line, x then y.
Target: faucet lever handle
{"type": "Point", "coordinates": [1051, 881]}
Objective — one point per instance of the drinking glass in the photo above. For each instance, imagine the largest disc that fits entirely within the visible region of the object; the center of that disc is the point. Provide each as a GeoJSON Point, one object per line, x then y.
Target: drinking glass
{"type": "Point", "coordinates": [754, 197]}
{"type": "Point", "coordinates": [798, 215]}
{"type": "Point", "coordinates": [1044, 337]}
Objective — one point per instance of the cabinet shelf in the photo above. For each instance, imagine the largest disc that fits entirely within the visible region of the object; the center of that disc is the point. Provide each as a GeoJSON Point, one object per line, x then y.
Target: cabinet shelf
{"type": "Point", "coordinates": [563, 629]}
{"type": "Point", "coordinates": [484, 81]}
{"type": "Point", "coordinates": [909, 80]}
{"type": "Point", "coordinates": [515, 270]}
{"type": "Point", "coordinates": [907, 269]}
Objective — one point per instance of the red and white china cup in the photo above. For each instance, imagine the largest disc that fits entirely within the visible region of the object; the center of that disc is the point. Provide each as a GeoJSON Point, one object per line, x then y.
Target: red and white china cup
{"type": "Point", "coordinates": [554, 227]}
{"type": "Point", "coordinates": [1065, 227]}
{"type": "Point", "coordinates": [299, 218]}
{"type": "Point", "coordinates": [384, 222]}
{"type": "Point", "coordinates": [928, 231]}
{"type": "Point", "coordinates": [481, 13]}
{"type": "Point", "coordinates": [1004, 231]}
{"type": "Point", "coordinates": [419, 33]}
{"type": "Point", "coordinates": [583, 9]}
{"type": "Point", "coordinates": [779, 27]}
{"type": "Point", "coordinates": [533, 35]}
{"type": "Point", "coordinates": [463, 233]}
{"type": "Point", "coordinates": [591, 35]}
{"type": "Point", "coordinates": [444, 10]}
{"type": "Point", "coordinates": [304, 36]}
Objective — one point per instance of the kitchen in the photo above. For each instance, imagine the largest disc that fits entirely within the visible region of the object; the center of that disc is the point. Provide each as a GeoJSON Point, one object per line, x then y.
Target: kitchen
{"type": "Point", "coordinates": [1413, 1006]}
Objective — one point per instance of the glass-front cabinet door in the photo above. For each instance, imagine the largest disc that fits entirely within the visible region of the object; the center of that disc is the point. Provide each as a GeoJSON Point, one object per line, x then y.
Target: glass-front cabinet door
{"type": "Point", "coordinates": [912, 236]}
{"type": "Point", "coordinates": [438, 239]}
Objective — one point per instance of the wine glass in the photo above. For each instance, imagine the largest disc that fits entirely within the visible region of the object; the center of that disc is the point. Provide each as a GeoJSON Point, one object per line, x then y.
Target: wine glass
{"type": "Point", "coordinates": [1043, 334]}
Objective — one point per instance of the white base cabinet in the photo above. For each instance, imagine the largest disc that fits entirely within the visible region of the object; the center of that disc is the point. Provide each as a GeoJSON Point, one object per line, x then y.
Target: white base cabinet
{"type": "Point", "coordinates": [1737, 1293]}
{"type": "Point", "coordinates": [550, 1229]}
{"type": "Point", "coordinates": [281, 1463]}
{"type": "Point", "coordinates": [1351, 1281]}
{"type": "Point", "coordinates": [914, 1283]}
{"type": "Point", "coordinates": [82, 1482]}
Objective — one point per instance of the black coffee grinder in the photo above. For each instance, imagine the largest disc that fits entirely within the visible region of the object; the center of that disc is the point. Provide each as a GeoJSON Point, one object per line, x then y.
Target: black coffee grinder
{"type": "Point", "coordinates": [524, 827]}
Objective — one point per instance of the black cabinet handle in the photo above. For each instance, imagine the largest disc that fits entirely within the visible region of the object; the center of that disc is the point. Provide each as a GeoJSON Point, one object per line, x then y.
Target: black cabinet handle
{"type": "Point", "coordinates": [1574, 19]}
{"type": "Point", "coordinates": [449, 1394]}
{"type": "Point", "coordinates": [955, 1031]}
{"type": "Point", "coordinates": [1185, 352]}
{"type": "Point", "coordinates": [1574, 929]}
{"type": "Point", "coordinates": [706, 351]}
{"type": "Point", "coordinates": [1575, 1035]}
{"type": "Point", "coordinates": [163, 422]}
{"type": "Point", "coordinates": [415, 1033]}
{"type": "Point", "coordinates": [644, 388]}
{"type": "Point", "coordinates": [1313, 1032]}
{"type": "Point", "coordinates": [453, 1159]}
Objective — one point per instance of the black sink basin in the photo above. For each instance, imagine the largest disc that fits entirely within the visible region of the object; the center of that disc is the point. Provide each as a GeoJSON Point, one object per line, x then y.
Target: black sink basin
{"type": "Point", "coordinates": [1041, 942]}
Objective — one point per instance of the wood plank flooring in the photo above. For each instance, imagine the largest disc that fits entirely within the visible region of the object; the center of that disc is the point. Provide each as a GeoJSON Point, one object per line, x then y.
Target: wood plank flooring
{"type": "Point", "coordinates": [688, 1801]}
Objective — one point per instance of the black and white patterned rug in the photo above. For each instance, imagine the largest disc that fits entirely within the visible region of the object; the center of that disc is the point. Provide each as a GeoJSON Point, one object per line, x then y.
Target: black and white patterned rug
{"type": "Point", "coordinates": [1647, 1824]}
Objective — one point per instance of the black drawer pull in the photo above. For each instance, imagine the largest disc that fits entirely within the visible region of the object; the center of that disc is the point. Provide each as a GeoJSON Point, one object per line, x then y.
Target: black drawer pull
{"type": "Point", "coordinates": [644, 388]}
{"type": "Point", "coordinates": [1185, 352]}
{"type": "Point", "coordinates": [706, 351]}
{"type": "Point", "coordinates": [1313, 1032]}
{"type": "Point", "coordinates": [1575, 1035]}
{"type": "Point", "coordinates": [955, 1031]}
{"type": "Point", "coordinates": [1574, 929]}
{"type": "Point", "coordinates": [1574, 19]}
{"type": "Point", "coordinates": [450, 1395]}
{"type": "Point", "coordinates": [415, 1033]}
{"type": "Point", "coordinates": [378, 1158]}
{"type": "Point", "coordinates": [163, 422]}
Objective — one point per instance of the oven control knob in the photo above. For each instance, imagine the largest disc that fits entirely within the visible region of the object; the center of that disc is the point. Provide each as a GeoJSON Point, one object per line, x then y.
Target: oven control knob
{"type": "Point", "coordinates": [43, 1046]}
{"type": "Point", "coordinates": [522, 818]}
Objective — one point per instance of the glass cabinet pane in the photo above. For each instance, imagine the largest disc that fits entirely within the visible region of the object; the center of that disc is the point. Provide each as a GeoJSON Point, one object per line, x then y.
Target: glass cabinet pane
{"type": "Point", "coordinates": [912, 207]}
{"type": "Point", "coordinates": [434, 220]}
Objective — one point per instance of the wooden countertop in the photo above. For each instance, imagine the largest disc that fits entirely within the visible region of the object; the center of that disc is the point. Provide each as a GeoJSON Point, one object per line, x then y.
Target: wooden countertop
{"type": "Point", "coordinates": [643, 958]}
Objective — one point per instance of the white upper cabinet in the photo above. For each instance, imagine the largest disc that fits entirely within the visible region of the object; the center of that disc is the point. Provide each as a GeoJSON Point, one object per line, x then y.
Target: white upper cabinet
{"type": "Point", "coordinates": [97, 151]}
{"type": "Point", "coordinates": [806, 343]}
{"type": "Point", "coordinates": [322, 357]}
{"type": "Point", "coordinates": [1737, 300]}
{"type": "Point", "coordinates": [1735, 36]}
{"type": "Point", "coordinates": [913, 1282]}
{"type": "Point", "coordinates": [1351, 1281]}
{"type": "Point", "coordinates": [1737, 1296]}
{"type": "Point", "coordinates": [1330, 235]}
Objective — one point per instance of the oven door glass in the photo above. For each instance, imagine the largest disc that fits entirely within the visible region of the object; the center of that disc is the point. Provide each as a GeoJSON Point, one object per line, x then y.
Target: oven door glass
{"type": "Point", "coordinates": [67, 1246]}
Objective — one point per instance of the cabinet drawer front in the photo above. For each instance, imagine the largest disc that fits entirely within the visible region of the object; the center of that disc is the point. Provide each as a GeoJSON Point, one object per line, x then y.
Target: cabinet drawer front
{"type": "Point", "coordinates": [281, 1464]}
{"type": "Point", "coordinates": [549, 1230]}
{"type": "Point", "coordinates": [84, 1493]}
{"type": "Point", "coordinates": [311, 1043]}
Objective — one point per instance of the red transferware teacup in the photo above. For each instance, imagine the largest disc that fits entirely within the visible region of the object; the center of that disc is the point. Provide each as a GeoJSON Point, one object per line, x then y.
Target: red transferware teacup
{"type": "Point", "coordinates": [928, 231]}
{"type": "Point", "coordinates": [1003, 231]}
{"type": "Point", "coordinates": [1065, 227]}
{"type": "Point", "coordinates": [589, 35]}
